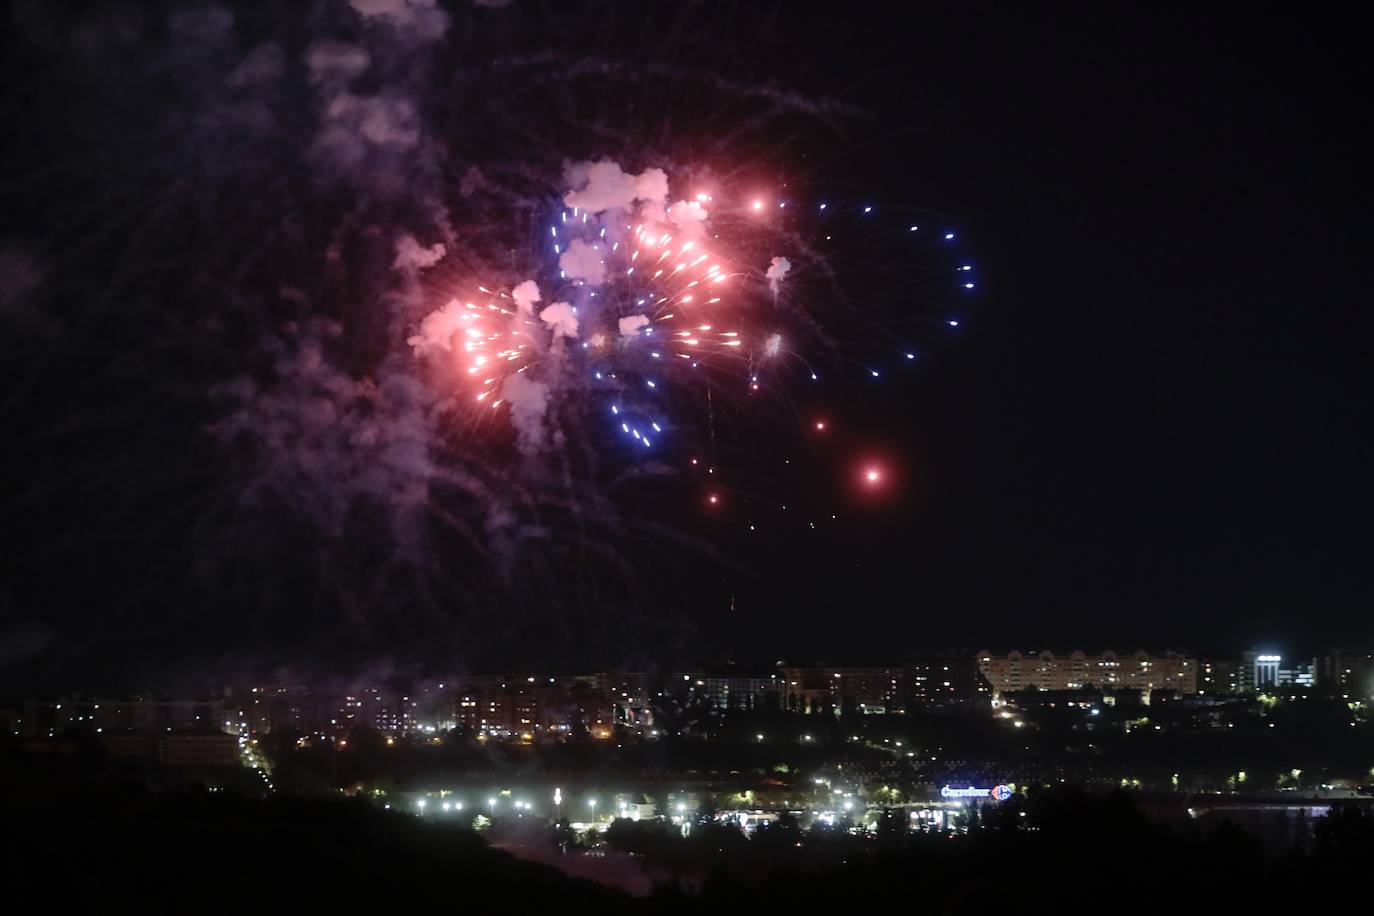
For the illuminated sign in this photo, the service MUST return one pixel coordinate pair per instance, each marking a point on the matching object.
(996, 793)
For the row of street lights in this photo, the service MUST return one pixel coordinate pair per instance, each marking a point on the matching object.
(493, 801)
(520, 805)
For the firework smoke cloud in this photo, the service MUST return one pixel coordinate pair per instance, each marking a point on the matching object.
(777, 270)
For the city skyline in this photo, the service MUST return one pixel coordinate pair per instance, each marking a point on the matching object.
(372, 673)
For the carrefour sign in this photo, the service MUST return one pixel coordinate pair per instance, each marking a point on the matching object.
(996, 793)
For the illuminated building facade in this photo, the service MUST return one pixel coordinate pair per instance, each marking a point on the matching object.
(1015, 671)
(1262, 670)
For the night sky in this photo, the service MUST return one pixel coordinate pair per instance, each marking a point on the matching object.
(1150, 427)
(1155, 432)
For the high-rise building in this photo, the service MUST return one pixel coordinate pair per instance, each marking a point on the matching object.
(825, 688)
(138, 714)
(1258, 670)
(946, 680)
(1262, 670)
(1046, 670)
(632, 694)
(1218, 677)
(1347, 673)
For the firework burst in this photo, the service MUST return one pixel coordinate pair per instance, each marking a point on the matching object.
(638, 316)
